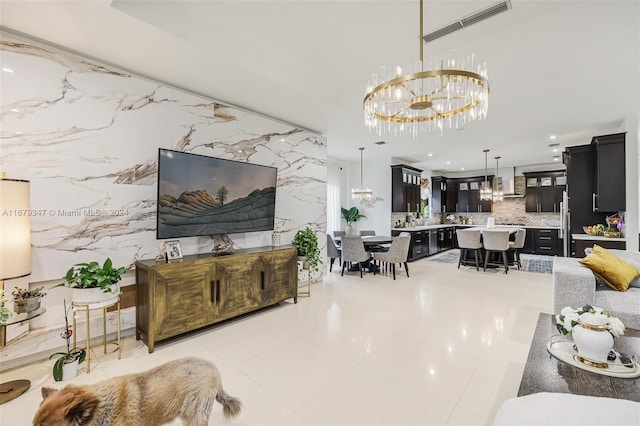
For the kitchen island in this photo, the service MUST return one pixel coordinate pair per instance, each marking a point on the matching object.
(428, 240)
(579, 242)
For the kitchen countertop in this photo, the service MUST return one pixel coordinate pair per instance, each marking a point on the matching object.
(448, 225)
(595, 237)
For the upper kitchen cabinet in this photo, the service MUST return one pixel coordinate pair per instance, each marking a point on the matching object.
(610, 187)
(469, 196)
(544, 191)
(405, 188)
(438, 194)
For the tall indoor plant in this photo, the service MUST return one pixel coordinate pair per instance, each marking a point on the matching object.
(306, 242)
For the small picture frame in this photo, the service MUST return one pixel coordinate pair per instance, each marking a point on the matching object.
(173, 250)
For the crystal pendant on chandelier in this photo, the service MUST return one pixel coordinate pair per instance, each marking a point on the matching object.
(486, 193)
(497, 185)
(449, 94)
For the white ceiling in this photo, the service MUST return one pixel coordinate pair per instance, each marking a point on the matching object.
(567, 68)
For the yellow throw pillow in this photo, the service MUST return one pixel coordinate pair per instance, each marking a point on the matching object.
(615, 272)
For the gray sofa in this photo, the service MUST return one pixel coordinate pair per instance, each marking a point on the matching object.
(575, 285)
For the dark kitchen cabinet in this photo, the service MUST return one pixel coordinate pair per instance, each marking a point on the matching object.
(438, 194)
(405, 188)
(545, 241)
(610, 185)
(419, 246)
(544, 191)
(445, 238)
(452, 195)
(469, 196)
(595, 180)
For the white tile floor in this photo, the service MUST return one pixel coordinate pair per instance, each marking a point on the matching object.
(445, 346)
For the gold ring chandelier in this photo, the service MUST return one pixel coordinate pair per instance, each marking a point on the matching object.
(448, 95)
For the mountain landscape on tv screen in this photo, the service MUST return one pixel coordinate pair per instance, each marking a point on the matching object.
(198, 213)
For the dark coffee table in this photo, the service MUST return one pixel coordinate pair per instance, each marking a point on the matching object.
(544, 373)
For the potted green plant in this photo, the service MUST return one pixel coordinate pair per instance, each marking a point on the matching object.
(351, 215)
(25, 300)
(66, 366)
(92, 282)
(306, 242)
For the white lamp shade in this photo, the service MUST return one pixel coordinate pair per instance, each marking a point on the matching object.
(15, 229)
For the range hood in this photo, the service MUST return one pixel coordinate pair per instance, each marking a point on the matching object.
(507, 175)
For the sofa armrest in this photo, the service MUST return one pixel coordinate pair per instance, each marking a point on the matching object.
(573, 284)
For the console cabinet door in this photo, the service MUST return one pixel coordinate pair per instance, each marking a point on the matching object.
(239, 284)
(277, 281)
(178, 293)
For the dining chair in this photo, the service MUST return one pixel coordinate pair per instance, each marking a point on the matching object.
(353, 251)
(517, 245)
(496, 241)
(367, 232)
(332, 252)
(398, 253)
(469, 239)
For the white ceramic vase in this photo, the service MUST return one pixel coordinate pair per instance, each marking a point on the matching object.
(592, 338)
(70, 370)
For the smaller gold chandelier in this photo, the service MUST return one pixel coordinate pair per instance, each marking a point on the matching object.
(450, 94)
(485, 188)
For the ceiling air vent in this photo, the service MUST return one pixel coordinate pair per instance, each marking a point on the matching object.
(478, 16)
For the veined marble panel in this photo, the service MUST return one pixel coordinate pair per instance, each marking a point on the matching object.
(87, 138)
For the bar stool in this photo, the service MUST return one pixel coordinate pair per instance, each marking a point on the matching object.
(79, 307)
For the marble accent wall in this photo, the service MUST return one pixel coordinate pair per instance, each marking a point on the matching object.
(87, 137)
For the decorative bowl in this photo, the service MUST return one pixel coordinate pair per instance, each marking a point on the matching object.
(592, 230)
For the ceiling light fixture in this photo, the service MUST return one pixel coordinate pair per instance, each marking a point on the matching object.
(552, 137)
(362, 194)
(497, 185)
(449, 93)
(485, 188)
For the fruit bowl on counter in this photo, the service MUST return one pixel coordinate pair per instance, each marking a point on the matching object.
(594, 230)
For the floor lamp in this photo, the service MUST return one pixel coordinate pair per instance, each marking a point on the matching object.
(15, 254)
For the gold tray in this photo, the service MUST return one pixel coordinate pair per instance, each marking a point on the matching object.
(563, 349)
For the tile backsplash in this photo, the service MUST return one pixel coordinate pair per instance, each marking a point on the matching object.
(510, 210)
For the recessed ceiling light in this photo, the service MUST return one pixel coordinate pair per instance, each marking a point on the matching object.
(555, 150)
(552, 137)
(7, 69)
(281, 139)
(448, 162)
(556, 158)
(431, 154)
(461, 168)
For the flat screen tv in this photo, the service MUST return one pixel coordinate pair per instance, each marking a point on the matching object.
(201, 195)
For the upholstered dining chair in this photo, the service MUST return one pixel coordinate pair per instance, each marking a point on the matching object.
(353, 251)
(332, 252)
(517, 245)
(469, 239)
(496, 241)
(367, 232)
(398, 253)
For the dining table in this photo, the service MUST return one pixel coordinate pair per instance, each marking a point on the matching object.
(371, 243)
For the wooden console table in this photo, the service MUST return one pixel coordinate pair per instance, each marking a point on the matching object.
(176, 297)
(544, 373)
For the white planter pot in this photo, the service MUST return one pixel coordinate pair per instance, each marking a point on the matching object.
(93, 295)
(70, 370)
(592, 339)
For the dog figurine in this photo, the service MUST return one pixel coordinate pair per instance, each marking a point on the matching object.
(185, 388)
